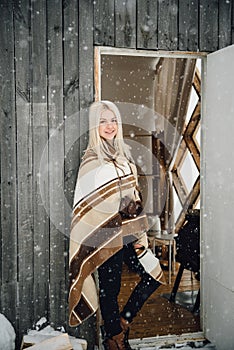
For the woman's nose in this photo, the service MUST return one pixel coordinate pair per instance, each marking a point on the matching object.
(110, 123)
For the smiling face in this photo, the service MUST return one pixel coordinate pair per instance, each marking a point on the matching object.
(108, 126)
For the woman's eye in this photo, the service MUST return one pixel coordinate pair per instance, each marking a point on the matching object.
(112, 121)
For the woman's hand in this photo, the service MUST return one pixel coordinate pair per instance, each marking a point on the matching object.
(130, 208)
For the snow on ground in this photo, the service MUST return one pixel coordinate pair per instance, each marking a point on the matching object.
(7, 334)
(43, 333)
(182, 342)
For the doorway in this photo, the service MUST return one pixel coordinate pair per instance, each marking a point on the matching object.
(159, 99)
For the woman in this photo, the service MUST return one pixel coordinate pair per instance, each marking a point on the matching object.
(108, 228)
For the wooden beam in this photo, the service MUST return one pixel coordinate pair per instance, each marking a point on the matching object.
(193, 122)
(180, 155)
(197, 82)
(97, 74)
(180, 187)
(191, 199)
(194, 151)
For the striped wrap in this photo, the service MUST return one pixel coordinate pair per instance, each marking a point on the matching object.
(97, 230)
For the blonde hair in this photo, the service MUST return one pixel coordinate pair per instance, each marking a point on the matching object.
(95, 141)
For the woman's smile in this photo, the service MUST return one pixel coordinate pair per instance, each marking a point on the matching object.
(108, 126)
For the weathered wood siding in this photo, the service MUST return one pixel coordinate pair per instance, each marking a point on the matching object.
(199, 25)
(46, 72)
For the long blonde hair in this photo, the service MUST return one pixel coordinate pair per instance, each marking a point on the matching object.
(95, 141)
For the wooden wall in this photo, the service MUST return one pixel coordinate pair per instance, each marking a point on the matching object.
(46, 74)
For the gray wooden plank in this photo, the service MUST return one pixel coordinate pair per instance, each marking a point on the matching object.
(40, 176)
(8, 291)
(71, 111)
(56, 159)
(147, 24)
(104, 17)
(225, 23)
(168, 24)
(208, 25)
(71, 98)
(85, 67)
(24, 163)
(87, 329)
(125, 23)
(188, 25)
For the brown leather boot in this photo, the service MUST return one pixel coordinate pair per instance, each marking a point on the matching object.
(110, 344)
(125, 326)
(117, 342)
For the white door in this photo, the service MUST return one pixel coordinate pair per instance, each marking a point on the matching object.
(217, 242)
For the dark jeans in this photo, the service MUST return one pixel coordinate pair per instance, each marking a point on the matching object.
(110, 282)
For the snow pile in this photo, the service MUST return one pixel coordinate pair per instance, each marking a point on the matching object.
(7, 334)
(60, 342)
(48, 336)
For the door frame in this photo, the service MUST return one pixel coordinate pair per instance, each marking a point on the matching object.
(105, 50)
